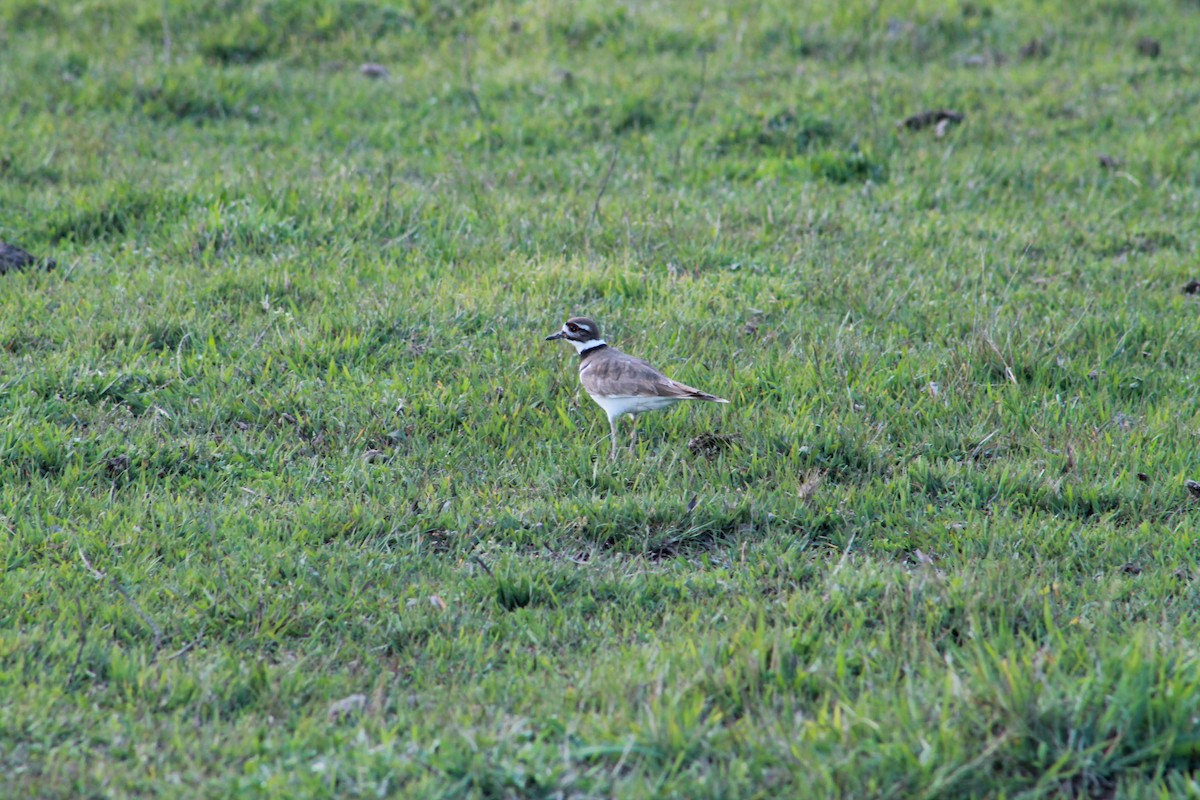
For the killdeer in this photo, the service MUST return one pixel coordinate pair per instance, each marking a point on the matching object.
(620, 383)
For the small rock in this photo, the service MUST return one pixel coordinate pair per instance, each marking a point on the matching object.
(372, 455)
(1193, 488)
(13, 258)
(1108, 162)
(1192, 287)
(1143, 477)
(374, 71)
(1149, 47)
(346, 707)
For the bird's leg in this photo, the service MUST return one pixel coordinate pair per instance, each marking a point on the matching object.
(633, 433)
(612, 426)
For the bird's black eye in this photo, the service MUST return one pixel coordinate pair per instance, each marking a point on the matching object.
(572, 327)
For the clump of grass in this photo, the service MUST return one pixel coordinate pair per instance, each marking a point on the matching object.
(785, 133)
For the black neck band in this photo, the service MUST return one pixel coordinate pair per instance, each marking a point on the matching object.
(583, 354)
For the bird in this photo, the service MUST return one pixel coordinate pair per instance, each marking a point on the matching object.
(620, 383)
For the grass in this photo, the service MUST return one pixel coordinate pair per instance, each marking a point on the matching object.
(296, 502)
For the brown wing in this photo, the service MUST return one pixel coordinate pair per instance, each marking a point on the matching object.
(622, 375)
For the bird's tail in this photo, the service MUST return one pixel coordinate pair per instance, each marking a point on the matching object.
(696, 394)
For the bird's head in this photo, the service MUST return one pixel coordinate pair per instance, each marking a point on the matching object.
(582, 332)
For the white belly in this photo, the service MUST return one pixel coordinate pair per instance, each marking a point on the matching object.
(617, 406)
